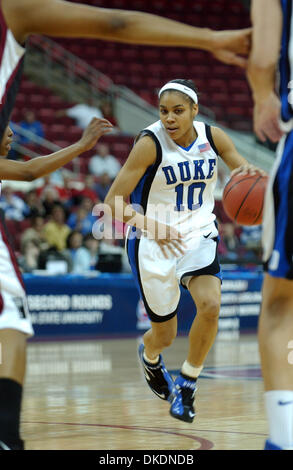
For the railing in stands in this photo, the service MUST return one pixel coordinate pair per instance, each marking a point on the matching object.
(77, 81)
(45, 144)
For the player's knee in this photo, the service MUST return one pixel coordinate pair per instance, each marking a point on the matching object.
(166, 337)
(209, 307)
(276, 308)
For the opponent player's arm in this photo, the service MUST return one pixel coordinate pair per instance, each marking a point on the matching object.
(266, 17)
(65, 19)
(229, 154)
(267, 30)
(41, 166)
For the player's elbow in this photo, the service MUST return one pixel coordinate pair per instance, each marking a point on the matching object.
(29, 175)
(121, 24)
(116, 23)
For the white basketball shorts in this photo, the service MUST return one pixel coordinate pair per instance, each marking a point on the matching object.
(158, 279)
(14, 312)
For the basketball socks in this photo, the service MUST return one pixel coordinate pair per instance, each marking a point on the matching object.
(10, 408)
(279, 408)
(191, 371)
(151, 361)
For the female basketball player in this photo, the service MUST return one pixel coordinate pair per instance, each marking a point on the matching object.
(19, 19)
(15, 324)
(171, 172)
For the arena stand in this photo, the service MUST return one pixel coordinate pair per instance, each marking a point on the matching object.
(144, 69)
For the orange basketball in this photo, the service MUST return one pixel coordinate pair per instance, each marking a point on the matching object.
(243, 198)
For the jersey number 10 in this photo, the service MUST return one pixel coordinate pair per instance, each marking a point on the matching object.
(192, 206)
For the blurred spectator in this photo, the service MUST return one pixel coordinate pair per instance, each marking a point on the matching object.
(92, 246)
(81, 113)
(108, 113)
(49, 197)
(13, 152)
(62, 190)
(230, 238)
(87, 204)
(66, 192)
(229, 243)
(35, 232)
(250, 240)
(82, 220)
(13, 206)
(89, 190)
(103, 186)
(84, 257)
(34, 204)
(104, 162)
(30, 251)
(73, 244)
(251, 236)
(56, 230)
(30, 123)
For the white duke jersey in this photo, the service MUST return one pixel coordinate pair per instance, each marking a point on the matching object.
(178, 189)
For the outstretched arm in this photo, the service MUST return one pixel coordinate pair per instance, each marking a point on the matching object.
(41, 166)
(66, 19)
(262, 65)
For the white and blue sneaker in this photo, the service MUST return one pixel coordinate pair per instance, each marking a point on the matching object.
(269, 445)
(158, 378)
(182, 404)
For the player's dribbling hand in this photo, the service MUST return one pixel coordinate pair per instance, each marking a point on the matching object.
(170, 241)
(96, 128)
(248, 169)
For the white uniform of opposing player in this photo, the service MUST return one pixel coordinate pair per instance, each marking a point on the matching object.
(178, 190)
(13, 304)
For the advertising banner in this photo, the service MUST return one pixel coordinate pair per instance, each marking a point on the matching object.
(108, 305)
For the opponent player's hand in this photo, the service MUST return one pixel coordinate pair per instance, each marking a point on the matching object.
(232, 47)
(266, 119)
(248, 169)
(170, 241)
(94, 131)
